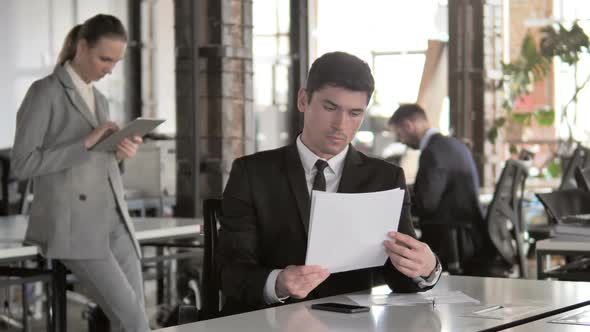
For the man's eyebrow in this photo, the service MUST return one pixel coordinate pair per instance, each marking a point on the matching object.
(333, 104)
(108, 58)
(328, 101)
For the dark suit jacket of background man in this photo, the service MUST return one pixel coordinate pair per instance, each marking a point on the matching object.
(446, 193)
(266, 209)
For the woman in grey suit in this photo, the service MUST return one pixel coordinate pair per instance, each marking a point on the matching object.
(79, 214)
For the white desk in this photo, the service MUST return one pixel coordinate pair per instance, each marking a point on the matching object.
(560, 246)
(12, 233)
(543, 325)
(13, 228)
(559, 296)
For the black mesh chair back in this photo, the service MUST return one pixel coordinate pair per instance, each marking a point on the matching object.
(580, 158)
(210, 282)
(582, 176)
(504, 215)
(4, 179)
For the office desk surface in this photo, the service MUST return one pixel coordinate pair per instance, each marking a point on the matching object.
(543, 325)
(556, 296)
(13, 228)
(564, 244)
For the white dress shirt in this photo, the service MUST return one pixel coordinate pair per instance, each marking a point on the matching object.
(332, 173)
(85, 90)
(426, 138)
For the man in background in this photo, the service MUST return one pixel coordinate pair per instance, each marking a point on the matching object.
(446, 189)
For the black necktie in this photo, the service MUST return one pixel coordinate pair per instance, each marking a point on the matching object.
(319, 182)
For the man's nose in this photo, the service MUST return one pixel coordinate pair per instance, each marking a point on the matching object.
(338, 120)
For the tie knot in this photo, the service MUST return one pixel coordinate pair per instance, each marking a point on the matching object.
(321, 165)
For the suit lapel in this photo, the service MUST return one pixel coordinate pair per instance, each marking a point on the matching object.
(351, 181)
(296, 176)
(73, 95)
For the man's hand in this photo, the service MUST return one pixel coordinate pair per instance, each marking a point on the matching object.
(101, 131)
(127, 148)
(410, 256)
(298, 281)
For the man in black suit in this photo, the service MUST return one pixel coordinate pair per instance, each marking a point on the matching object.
(266, 202)
(446, 189)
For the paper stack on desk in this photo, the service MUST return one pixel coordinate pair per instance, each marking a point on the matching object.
(346, 231)
(431, 296)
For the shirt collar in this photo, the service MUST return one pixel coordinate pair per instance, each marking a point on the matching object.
(427, 136)
(308, 158)
(76, 79)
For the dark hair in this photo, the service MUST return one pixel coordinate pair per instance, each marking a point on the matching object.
(91, 30)
(339, 69)
(407, 112)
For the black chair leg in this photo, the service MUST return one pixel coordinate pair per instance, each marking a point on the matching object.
(454, 262)
(47, 306)
(25, 307)
(59, 297)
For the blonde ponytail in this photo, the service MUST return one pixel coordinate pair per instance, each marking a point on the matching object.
(68, 50)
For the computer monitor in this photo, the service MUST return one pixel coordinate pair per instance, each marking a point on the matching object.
(580, 158)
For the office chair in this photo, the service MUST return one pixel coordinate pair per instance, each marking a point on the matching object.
(210, 285)
(20, 275)
(580, 158)
(210, 288)
(9, 204)
(504, 216)
(4, 180)
(572, 178)
(454, 243)
(582, 176)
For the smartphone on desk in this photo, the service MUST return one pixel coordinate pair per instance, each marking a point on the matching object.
(340, 307)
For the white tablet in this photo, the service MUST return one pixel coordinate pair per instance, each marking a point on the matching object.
(137, 127)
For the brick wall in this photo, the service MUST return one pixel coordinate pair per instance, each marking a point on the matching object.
(521, 13)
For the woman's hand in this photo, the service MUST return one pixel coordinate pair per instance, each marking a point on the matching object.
(127, 148)
(99, 133)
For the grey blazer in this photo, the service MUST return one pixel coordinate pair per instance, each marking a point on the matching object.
(73, 187)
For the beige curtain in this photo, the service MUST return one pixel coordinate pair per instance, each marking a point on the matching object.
(434, 84)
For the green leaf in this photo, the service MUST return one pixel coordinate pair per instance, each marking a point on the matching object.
(554, 168)
(545, 118)
(499, 122)
(529, 48)
(513, 149)
(565, 44)
(492, 134)
(524, 119)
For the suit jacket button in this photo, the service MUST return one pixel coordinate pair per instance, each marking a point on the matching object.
(82, 197)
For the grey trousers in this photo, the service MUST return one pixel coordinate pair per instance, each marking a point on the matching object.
(116, 282)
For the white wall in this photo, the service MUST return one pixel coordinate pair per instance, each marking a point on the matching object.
(32, 35)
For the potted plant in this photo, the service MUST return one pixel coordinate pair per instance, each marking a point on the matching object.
(531, 66)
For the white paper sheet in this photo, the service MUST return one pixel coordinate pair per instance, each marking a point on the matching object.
(505, 311)
(346, 231)
(578, 317)
(431, 296)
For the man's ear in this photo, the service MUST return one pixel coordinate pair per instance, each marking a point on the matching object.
(302, 100)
